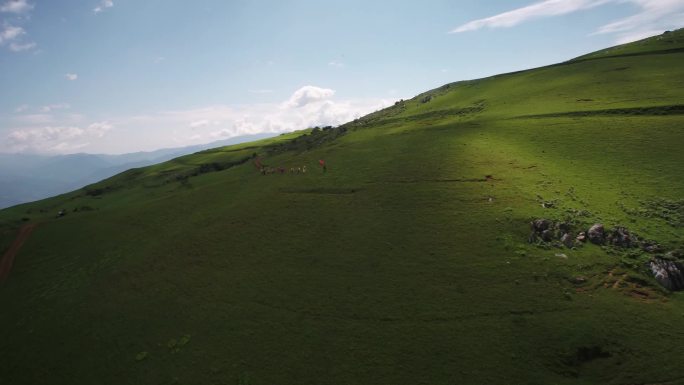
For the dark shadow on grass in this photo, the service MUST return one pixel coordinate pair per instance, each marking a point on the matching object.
(677, 109)
(321, 190)
(486, 178)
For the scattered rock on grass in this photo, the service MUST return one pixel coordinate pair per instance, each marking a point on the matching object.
(651, 247)
(548, 231)
(580, 279)
(581, 237)
(667, 270)
(621, 237)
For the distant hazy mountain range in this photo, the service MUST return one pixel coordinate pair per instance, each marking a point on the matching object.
(26, 177)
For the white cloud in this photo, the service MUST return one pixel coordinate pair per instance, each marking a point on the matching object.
(57, 106)
(55, 139)
(199, 123)
(71, 76)
(21, 108)
(308, 106)
(99, 129)
(12, 35)
(46, 139)
(308, 94)
(336, 64)
(57, 131)
(104, 4)
(625, 38)
(46, 133)
(35, 119)
(18, 47)
(9, 33)
(45, 116)
(653, 17)
(542, 9)
(16, 6)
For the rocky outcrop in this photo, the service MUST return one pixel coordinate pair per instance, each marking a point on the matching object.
(668, 273)
(565, 234)
(548, 231)
(541, 229)
(666, 268)
(651, 246)
(539, 225)
(621, 237)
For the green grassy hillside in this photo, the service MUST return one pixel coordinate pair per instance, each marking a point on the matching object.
(407, 262)
(669, 42)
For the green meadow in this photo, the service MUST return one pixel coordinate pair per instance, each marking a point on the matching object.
(406, 262)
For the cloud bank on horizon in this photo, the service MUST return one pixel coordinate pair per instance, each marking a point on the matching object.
(653, 17)
(54, 129)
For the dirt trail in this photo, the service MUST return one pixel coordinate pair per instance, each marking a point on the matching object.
(8, 258)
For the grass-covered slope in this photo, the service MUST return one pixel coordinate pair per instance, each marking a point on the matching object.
(669, 42)
(407, 262)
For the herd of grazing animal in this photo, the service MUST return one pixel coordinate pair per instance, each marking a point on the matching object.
(266, 170)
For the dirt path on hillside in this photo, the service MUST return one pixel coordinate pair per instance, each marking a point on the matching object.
(8, 258)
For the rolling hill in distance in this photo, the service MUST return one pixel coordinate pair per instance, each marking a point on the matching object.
(26, 177)
(407, 260)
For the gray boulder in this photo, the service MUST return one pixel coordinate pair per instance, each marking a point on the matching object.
(568, 240)
(596, 234)
(541, 228)
(539, 225)
(581, 237)
(668, 273)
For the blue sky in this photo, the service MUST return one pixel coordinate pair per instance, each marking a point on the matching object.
(114, 76)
